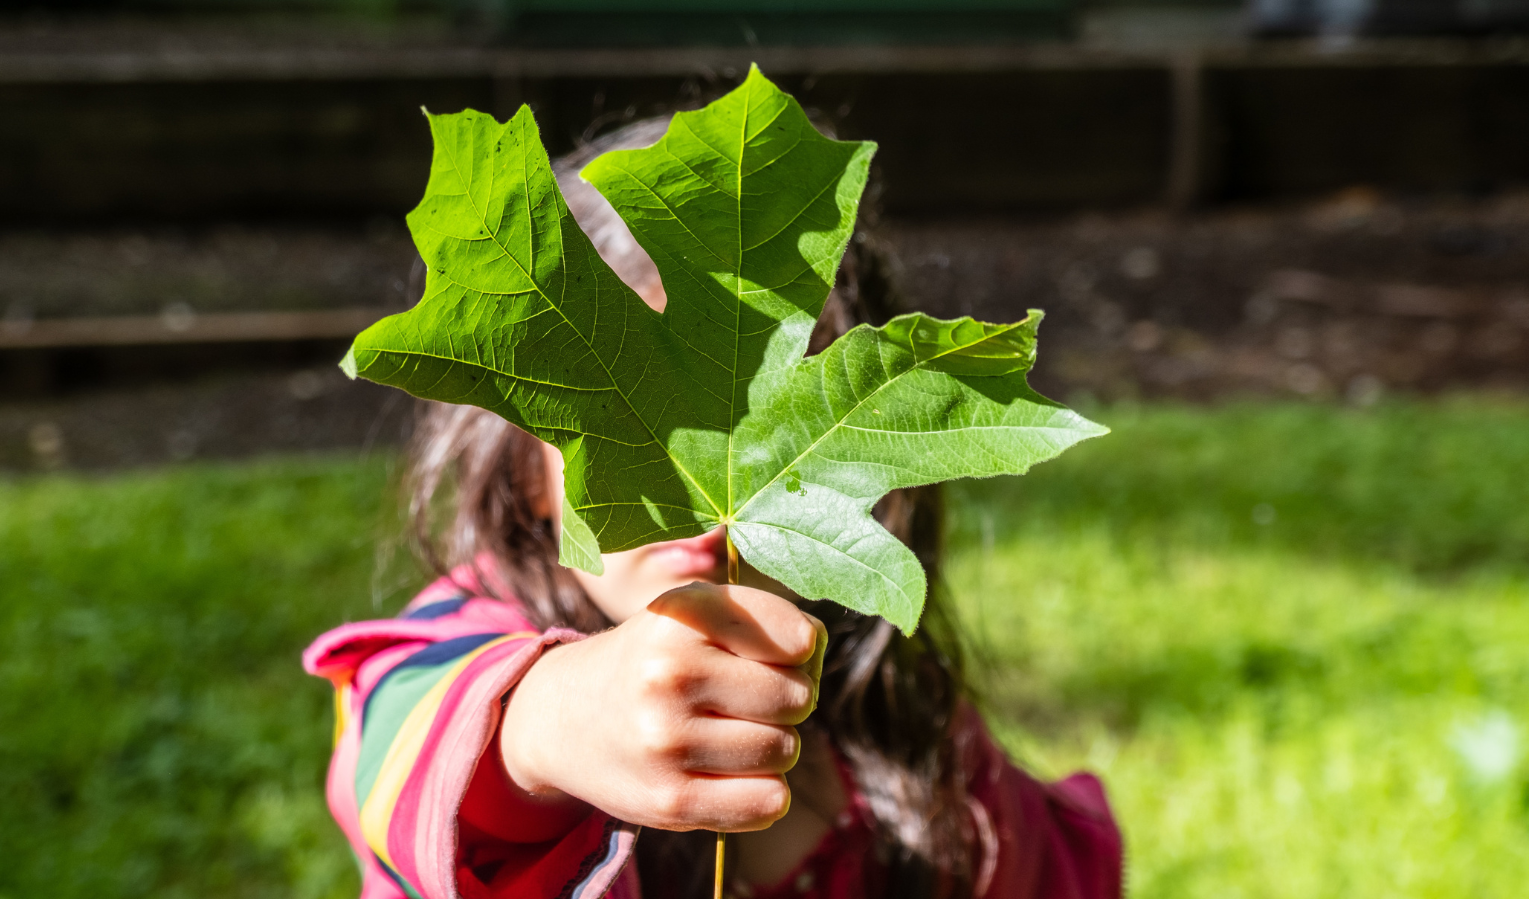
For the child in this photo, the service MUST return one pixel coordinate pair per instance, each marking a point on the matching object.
(488, 746)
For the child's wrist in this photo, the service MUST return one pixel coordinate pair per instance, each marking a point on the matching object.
(529, 725)
(498, 807)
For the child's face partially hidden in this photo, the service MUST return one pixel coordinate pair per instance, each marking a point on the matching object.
(634, 578)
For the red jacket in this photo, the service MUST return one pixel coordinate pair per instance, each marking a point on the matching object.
(418, 705)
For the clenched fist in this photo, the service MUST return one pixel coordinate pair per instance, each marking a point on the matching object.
(680, 718)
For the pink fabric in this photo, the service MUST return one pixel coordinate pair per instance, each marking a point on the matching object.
(1033, 840)
(420, 830)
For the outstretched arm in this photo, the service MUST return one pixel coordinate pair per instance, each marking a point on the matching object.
(682, 717)
(419, 701)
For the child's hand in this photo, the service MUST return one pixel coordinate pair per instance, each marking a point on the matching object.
(680, 718)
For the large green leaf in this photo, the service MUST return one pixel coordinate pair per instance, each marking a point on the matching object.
(671, 424)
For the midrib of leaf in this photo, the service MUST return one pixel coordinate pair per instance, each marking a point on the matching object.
(489, 229)
(839, 422)
(732, 405)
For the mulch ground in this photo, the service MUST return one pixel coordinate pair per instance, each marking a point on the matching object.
(1350, 298)
(1345, 300)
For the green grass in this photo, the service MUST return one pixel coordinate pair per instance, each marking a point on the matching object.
(157, 735)
(1328, 703)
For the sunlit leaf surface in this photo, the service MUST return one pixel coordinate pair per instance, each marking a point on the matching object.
(707, 414)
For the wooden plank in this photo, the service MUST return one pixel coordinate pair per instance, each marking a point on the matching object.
(318, 63)
(184, 326)
(197, 134)
(1186, 137)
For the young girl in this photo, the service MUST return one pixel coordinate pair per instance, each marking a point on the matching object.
(510, 733)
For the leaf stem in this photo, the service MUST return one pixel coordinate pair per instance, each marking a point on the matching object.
(732, 578)
(716, 892)
(732, 556)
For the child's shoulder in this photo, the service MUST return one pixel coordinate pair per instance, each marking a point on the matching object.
(453, 610)
(1039, 838)
(460, 599)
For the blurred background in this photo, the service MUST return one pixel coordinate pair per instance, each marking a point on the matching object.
(1283, 247)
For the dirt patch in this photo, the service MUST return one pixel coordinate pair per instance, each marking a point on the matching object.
(307, 410)
(218, 269)
(1346, 300)
(1352, 297)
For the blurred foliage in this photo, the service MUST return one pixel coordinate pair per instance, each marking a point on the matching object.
(1290, 638)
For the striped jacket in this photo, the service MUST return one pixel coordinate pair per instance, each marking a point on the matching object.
(418, 701)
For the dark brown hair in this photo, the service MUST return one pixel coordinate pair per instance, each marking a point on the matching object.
(888, 701)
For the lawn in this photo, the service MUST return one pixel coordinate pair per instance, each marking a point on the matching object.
(157, 735)
(1292, 638)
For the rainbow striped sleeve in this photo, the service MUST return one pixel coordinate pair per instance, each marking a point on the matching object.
(418, 700)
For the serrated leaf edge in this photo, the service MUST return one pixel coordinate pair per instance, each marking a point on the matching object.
(1032, 318)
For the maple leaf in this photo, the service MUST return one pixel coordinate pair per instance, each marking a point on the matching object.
(709, 413)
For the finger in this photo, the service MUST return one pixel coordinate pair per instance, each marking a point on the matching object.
(734, 748)
(753, 624)
(728, 804)
(734, 687)
(813, 667)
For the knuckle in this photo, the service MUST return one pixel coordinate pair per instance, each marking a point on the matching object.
(673, 803)
(657, 739)
(668, 602)
(790, 741)
(782, 750)
(802, 638)
(796, 697)
(772, 800)
(665, 676)
(678, 599)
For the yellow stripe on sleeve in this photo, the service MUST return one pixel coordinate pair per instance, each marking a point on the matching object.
(377, 812)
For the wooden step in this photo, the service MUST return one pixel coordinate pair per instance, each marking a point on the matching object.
(180, 325)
